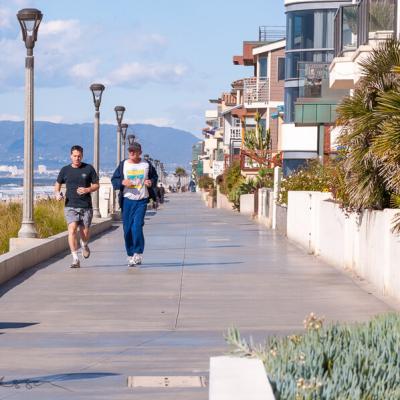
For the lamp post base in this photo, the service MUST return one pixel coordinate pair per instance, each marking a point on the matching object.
(96, 213)
(27, 230)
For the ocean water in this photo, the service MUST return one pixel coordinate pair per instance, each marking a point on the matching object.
(11, 187)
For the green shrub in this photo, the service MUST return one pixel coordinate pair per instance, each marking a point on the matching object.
(205, 182)
(49, 220)
(312, 177)
(349, 362)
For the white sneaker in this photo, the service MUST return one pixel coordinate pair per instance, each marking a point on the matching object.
(137, 258)
(131, 262)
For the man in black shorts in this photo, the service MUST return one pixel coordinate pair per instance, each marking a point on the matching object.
(80, 180)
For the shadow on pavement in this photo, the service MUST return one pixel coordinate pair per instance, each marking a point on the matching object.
(30, 383)
(24, 275)
(16, 325)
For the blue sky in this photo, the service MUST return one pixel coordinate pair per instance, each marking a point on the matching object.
(161, 59)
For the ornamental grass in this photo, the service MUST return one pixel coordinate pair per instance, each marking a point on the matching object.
(49, 220)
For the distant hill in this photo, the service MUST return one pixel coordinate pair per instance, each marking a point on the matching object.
(53, 143)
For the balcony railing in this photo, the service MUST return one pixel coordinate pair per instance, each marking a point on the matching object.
(229, 99)
(376, 20)
(255, 90)
(271, 33)
(315, 76)
(236, 133)
(345, 29)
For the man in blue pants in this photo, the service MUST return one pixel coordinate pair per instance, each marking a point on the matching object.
(135, 179)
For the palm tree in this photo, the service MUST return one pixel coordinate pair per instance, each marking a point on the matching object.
(369, 162)
(257, 142)
(180, 171)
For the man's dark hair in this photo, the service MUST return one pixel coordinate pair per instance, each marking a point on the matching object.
(135, 147)
(77, 147)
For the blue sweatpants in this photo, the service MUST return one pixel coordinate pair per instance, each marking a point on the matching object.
(133, 212)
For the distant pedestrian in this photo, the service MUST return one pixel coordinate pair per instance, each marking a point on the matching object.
(160, 193)
(80, 180)
(136, 180)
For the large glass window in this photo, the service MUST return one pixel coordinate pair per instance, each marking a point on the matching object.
(311, 29)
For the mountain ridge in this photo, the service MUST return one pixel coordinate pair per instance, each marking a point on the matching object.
(53, 141)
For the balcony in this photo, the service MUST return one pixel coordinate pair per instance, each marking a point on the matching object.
(255, 92)
(236, 133)
(377, 20)
(315, 77)
(345, 37)
(358, 29)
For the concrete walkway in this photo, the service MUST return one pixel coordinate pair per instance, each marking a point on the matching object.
(79, 334)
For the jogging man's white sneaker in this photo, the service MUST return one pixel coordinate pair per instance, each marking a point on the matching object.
(131, 262)
(138, 258)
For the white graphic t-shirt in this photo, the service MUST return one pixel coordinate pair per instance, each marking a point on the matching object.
(137, 174)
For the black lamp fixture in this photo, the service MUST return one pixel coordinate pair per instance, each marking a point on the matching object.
(131, 139)
(119, 112)
(29, 19)
(124, 128)
(97, 91)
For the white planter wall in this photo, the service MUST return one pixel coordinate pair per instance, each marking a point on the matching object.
(247, 204)
(303, 217)
(361, 243)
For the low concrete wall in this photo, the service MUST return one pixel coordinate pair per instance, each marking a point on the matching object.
(281, 220)
(16, 261)
(247, 204)
(303, 217)
(233, 378)
(223, 202)
(362, 243)
(265, 202)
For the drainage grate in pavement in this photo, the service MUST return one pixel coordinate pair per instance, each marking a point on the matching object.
(167, 381)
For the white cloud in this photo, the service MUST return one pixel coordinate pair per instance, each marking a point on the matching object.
(10, 117)
(85, 70)
(5, 16)
(136, 73)
(70, 27)
(156, 121)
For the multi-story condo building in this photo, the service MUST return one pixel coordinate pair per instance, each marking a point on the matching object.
(309, 101)
(261, 93)
(213, 155)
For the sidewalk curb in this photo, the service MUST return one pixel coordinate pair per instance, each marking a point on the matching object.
(16, 261)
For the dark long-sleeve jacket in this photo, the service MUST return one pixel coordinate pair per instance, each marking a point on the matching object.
(118, 177)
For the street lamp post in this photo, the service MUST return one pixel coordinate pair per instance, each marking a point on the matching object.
(119, 113)
(97, 91)
(124, 128)
(29, 19)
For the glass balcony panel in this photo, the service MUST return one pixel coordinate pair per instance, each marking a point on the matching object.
(349, 28)
(382, 15)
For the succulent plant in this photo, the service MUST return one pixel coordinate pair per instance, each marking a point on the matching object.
(339, 361)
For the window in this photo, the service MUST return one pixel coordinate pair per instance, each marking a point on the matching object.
(281, 68)
(310, 29)
(236, 122)
(263, 67)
